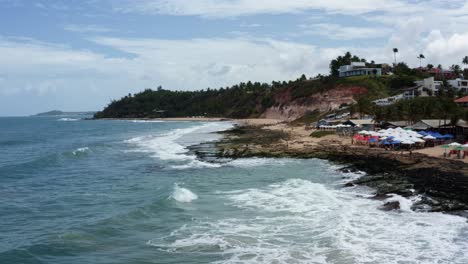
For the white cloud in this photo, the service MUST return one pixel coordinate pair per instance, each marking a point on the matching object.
(87, 28)
(79, 79)
(341, 32)
(200, 63)
(223, 8)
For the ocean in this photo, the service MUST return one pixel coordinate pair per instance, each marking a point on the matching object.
(123, 191)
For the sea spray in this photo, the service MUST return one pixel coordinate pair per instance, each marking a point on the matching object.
(183, 195)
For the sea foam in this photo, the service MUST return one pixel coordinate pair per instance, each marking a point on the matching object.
(299, 221)
(168, 146)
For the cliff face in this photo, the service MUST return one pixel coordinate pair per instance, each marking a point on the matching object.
(289, 109)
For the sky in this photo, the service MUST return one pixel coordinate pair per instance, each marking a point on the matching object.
(78, 55)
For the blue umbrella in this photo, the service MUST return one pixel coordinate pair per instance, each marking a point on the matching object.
(422, 133)
(437, 135)
(373, 140)
(395, 142)
(448, 136)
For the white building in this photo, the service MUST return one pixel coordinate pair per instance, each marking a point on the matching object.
(358, 69)
(430, 84)
(426, 87)
(459, 84)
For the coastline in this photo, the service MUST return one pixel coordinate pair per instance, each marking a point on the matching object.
(441, 183)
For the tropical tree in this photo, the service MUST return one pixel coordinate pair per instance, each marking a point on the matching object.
(421, 57)
(465, 60)
(430, 66)
(364, 106)
(401, 68)
(439, 66)
(343, 60)
(456, 68)
(395, 51)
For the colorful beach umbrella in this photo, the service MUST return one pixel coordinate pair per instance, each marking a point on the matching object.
(445, 147)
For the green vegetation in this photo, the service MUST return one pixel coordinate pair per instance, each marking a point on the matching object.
(419, 108)
(252, 99)
(342, 61)
(319, 134)
(239, 101)
(309, 118)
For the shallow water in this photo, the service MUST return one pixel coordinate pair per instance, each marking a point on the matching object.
(76, 191)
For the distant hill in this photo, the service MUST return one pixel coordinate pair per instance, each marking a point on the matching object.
(61, 113)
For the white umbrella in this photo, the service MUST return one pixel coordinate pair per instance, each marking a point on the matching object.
(429, 137)
(455, 144)
(418, 140)
(465, 146)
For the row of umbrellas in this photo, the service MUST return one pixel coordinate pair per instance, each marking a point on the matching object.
(394, 136)
(456, 145)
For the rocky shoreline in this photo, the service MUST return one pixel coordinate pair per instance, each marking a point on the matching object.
(440, 184)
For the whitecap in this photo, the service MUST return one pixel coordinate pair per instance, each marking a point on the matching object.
(183, 195)
(79, 151)
(66, 119)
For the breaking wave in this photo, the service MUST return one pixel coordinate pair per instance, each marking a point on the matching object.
(66, 119)
(80, 151)
(183, 195)
(170, 146)
(298, 221)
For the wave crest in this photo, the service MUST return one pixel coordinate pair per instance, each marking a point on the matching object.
(183, 195)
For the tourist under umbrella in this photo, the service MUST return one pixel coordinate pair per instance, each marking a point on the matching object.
(445, 147)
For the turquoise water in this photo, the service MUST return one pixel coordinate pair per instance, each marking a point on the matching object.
(76, 191)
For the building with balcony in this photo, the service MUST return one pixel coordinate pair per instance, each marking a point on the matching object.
(358, 69)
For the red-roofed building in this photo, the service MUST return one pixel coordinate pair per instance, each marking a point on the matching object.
(462, 101)
(439, 74)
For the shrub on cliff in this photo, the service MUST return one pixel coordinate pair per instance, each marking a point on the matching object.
(320, 134)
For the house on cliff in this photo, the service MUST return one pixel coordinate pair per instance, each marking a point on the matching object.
(358, 69)
(459, 84)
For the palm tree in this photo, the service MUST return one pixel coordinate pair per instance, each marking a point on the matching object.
(395, 51)
(420, 57)
(456, 68)
(465, 60)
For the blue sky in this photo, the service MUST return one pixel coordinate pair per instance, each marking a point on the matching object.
(78, 55)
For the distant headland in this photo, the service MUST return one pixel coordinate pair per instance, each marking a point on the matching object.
(62, 113)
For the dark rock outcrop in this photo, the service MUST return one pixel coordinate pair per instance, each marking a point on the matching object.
(443, 182)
